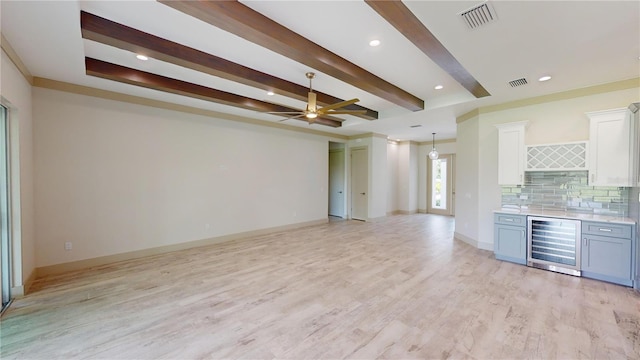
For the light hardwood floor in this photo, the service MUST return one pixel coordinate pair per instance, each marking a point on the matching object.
(398, 288)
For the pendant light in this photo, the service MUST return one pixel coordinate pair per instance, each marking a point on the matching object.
(433, 154)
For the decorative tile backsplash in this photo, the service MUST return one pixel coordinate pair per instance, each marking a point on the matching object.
(566, 191)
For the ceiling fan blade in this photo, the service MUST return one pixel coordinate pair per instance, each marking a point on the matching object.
(292, 117)
(338, 105)
(346, 112)
(284, 112)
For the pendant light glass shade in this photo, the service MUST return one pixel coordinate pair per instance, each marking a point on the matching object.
(433, 154)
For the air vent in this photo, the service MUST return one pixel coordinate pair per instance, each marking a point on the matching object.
(479, 15)
(518, 82)
(415, 126)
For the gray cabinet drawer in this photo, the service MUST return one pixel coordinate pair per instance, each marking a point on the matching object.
(510, 219)
(607, 229)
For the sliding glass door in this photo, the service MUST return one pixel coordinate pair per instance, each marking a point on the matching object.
(5, 234)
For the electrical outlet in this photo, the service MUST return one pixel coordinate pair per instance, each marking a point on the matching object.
(68, 245)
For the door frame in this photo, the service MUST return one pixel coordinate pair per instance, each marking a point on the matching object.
(451, 172)
(6, 226)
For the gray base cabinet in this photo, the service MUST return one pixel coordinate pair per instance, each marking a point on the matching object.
(607, 252)
(510, 238)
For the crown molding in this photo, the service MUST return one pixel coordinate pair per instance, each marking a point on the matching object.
(564, 95)
(111, 95)
(15, 59)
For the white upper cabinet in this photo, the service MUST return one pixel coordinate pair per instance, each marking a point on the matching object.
(612, 148)
(511, 153)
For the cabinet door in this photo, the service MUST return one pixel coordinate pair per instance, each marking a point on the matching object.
(611, 148)
(511, 153)
(510, 243)
(607, 258)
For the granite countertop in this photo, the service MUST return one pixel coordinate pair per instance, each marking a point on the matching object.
(568, 215)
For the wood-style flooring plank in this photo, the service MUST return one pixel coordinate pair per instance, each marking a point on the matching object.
(398, 288)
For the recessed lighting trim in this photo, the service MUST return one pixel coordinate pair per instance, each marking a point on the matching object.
(142, 57)
(438, 87)
(544, 78)
(374, 42)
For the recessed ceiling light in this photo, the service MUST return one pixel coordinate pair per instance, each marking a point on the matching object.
(270, 93)
(142, 57)
(439, 87)
(374, 42)
(545, 78)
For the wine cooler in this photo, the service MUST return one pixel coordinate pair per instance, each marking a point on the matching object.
(554, 244)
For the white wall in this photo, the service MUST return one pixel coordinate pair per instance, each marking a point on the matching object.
(17, 92)
(115, 177)
(551, 122)
(467, 186)
(378, 177)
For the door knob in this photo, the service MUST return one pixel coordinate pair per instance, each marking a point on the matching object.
(361, 193)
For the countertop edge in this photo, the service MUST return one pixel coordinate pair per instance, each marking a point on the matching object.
(568, 215)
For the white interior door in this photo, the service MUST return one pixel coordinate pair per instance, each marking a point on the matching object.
(336, 183)
(440, 184)
(359, 184)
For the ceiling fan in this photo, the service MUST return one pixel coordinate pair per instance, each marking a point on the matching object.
(311, 112)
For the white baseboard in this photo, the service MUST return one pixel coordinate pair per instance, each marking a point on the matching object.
(22, 290)
(407, 212)
(473, 242)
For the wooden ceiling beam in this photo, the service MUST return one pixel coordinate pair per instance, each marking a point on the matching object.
(398, 15)
(121, 36)
(148, 80)
(241, 20)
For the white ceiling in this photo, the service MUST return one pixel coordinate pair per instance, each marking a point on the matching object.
(579, 43)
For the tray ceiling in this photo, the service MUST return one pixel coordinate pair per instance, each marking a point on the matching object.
(225, 56)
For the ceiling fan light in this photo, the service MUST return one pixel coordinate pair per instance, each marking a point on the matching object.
(311, 115)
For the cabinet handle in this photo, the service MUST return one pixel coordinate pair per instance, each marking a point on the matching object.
(507, 219)
(523, 234)
(605, 229)
(585, 242)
